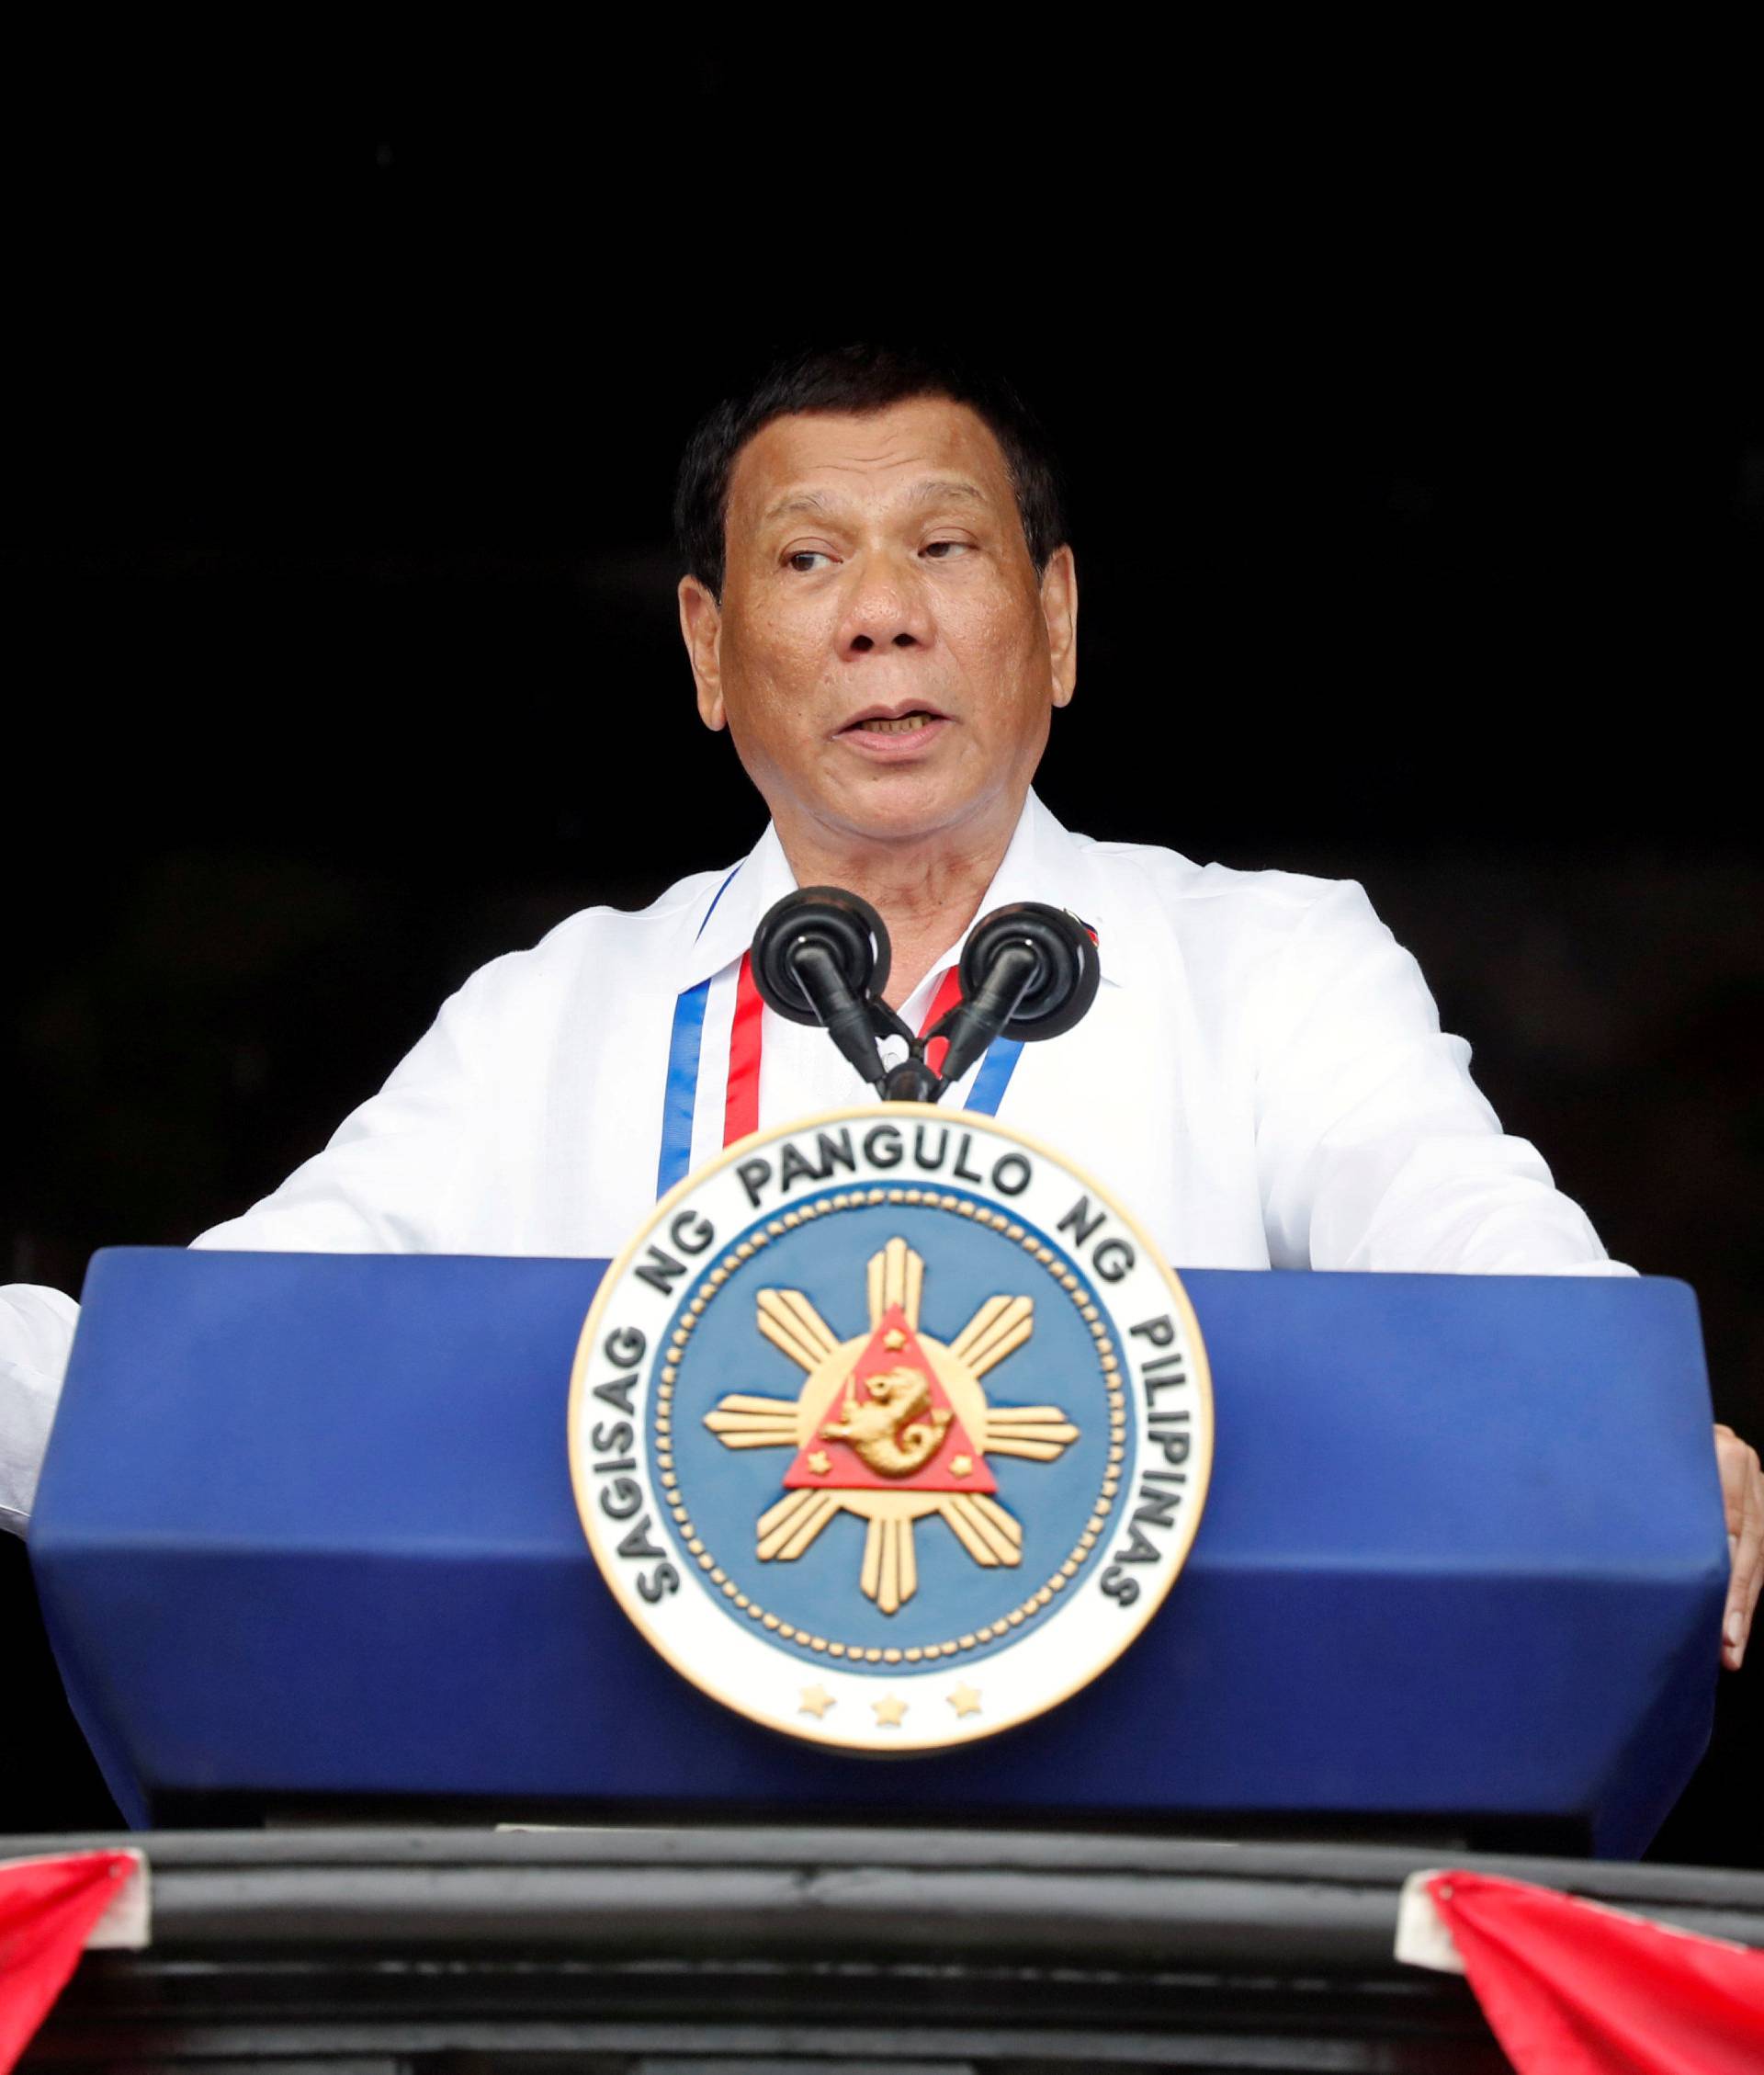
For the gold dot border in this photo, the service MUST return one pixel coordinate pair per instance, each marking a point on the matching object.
(864, 1199)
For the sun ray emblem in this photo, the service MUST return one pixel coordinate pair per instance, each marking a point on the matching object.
(892, 1426)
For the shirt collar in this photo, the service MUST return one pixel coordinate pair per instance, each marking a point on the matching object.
(1043, 862)
(731, 913)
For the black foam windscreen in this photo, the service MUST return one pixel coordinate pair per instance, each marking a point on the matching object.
(1066, 984)
(844, 925)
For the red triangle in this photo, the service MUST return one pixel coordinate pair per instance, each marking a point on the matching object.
(844, 1455)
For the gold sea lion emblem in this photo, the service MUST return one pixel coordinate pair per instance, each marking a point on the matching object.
(892, 1426)
(886, 1431)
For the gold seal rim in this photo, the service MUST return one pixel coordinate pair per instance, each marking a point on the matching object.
(848, 1657)
(960, 1736)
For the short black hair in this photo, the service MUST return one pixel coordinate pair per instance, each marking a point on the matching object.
(859, 378)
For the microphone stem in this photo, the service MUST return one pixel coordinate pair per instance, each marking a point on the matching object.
(912, 1082)
(975, 1023)
(845, 1016)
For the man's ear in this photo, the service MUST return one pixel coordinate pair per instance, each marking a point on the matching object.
(1059, 609)
(701, 627)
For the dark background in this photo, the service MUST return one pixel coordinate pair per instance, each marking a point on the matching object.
(1417, 468)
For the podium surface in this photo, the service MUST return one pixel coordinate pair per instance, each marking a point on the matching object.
(306, 1537)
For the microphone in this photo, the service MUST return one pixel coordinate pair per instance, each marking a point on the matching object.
(1028, 972)
(821, 954)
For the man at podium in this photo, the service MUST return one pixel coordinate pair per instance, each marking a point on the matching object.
(881, 607)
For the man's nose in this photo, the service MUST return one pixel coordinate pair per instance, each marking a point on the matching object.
(886, 610)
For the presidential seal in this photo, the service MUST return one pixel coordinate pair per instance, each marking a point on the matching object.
(891, 1429)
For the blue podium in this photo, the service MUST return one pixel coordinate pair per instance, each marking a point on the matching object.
(306, 1540)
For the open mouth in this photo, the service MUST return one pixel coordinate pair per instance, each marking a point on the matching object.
(908, 723)
(897, 720)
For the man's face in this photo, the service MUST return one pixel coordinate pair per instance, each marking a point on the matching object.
(883, 654)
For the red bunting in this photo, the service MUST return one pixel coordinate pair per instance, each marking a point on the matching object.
(49, 1909)
(1573, 1988)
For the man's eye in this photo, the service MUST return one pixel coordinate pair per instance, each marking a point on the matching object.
(943, 550)
(804, 560)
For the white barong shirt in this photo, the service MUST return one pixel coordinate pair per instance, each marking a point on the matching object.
(1262, 1081)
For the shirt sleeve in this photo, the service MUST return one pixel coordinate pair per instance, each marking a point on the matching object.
(1376, 1149)
(36, 1331)
(396, 1178)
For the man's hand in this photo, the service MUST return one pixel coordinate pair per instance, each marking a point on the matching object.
(1742, 1491)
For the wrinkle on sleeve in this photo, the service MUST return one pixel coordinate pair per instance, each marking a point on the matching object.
(36, 1332)
(1376, 1149)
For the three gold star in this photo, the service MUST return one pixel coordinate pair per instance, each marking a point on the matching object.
(891, 1710)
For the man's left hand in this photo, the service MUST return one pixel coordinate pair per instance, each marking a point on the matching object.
(1742, 1491)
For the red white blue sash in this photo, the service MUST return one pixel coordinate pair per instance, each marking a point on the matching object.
(742, 1098)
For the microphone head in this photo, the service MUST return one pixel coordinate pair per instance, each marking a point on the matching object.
(1062, 993)
(844, 924)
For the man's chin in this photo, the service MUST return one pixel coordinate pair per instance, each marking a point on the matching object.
(909, 806)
